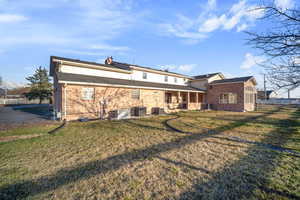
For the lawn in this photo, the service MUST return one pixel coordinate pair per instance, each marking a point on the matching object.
(212, 155)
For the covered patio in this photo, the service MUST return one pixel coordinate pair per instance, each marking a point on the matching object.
(182, 100)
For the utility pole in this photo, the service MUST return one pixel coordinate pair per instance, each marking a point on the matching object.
(265, 88)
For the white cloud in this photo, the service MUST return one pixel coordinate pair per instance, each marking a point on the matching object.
(168, 67)
(183, 68)
(240, 16)
(242, 27)
(250, 61)
(187, 67)
(212, 24)
(11, 18)
(88, 23)
(284, 4)
(212, 4)
(181, 30)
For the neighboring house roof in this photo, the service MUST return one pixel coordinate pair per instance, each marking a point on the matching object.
(18, 91)
(2, 92)
(207, 75)
(114, 65)
(85, 79)
(234, 80)
(261, 93)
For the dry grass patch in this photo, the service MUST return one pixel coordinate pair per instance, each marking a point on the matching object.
(143, 159)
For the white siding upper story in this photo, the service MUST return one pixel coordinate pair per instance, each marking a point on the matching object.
(158, 78)
(93, 72)
(214, 78)
(135, 75)
(203, 83)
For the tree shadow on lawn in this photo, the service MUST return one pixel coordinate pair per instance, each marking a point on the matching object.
(65, 176)
(241, 179)
(136, 124)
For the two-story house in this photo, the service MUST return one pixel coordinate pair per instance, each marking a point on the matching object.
(91, 90)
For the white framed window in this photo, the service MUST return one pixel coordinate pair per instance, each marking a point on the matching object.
(228, 98)
(175, 79)
(249, 98)
(250, 94)
(87, 93)
(166, 78)
(135, 94)
(144, 75)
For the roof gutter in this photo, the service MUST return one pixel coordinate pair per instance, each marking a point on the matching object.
(91, 66)
(159, 72)
(236, 82)
(128, 86)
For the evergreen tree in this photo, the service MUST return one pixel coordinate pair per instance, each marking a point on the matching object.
(40, 86)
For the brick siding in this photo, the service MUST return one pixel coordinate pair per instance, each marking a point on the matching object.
(214, 92)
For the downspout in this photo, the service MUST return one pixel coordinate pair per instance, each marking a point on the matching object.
(65, 102)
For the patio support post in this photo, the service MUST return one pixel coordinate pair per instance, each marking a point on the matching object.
(164, 99)
(188, 100)
(65, 101)
(197, 97)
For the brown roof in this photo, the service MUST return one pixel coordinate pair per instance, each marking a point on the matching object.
(261, 94)
(115, 65)
(123, 82)
(233, 80)
(78, 61)
(206, 75)
(18, 91)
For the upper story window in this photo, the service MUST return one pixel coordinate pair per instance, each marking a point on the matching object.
(175, 79)
(144, 75)
(166, 78)
(87, 93)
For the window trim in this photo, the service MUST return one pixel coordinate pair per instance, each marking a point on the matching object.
(168, 98)
(87, 93)
(166, 78)
(145, 75)
(228, 98)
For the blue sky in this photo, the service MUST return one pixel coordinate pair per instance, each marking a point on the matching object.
(190, 37)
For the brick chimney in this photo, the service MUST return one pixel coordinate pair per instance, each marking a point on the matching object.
(109, 60)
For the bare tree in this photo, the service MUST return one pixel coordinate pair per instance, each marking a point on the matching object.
(280, 44)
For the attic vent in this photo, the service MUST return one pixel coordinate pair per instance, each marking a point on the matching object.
(109, 60)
